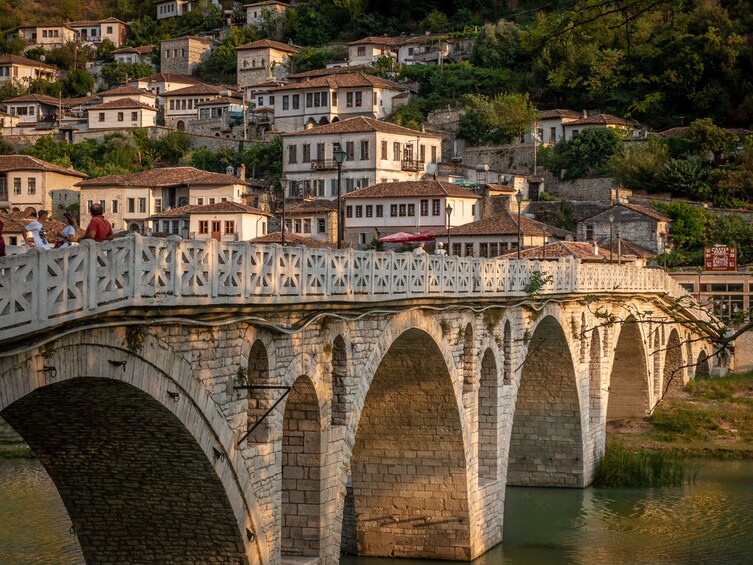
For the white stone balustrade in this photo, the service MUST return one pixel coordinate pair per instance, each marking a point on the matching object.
(44, 288)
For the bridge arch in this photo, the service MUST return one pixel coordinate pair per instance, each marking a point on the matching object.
(339, 381)
(674, 372)
(488, 418)
(628, 386)
(546, 439)
(135, 445)
(702, 366)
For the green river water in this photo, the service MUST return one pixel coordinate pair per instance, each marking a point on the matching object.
(708, 521)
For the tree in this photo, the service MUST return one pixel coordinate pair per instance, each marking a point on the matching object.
(312, 58)
(709, 139)
(499, 120)
(435, 22)
(353, 7)
(639, 166)
(586, 153)
(117, 72)
(686, 178)
(78, 83)
(5, 147)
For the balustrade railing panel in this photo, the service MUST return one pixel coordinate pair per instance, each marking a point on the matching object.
(44, 287)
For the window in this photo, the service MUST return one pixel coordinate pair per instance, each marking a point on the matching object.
(349, 99)
(396, 151)
(307, 225)
(32, 186)
(589, 231)
(89, 204)
(361, 50)
(456, 249)
(292, 154)
(172, 104)
(350, 150)
(349, 211)
(120, 116)
(271, 100)
(553, 135)
(260, 101)
(379, 210)
(359, 211)
(109, 31)
(157, 205)
(364, 150)
(296, 101)
(359, 99)
(16, 186)
(212, 201)
(393, 210)
(131, 205)
(575, 132)
(134, 116)
(433, 153)
(402, 210)
(320, 151)
(424, 207)
(200, 201)
(309, 99)
(142, 205)
(230, 227)
(369, 210)
(473, 210)
(101, 116)
(469, 250)
(411, 210)
(435, 207)
(483, 249)
(334, 99)
(114, 206)
(286, 102)
(493, 250)
(384, 150)
(321, 226)
(216, 226)
(306, 153)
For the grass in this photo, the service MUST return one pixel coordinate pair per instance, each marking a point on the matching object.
(13, 451)
(621, 467)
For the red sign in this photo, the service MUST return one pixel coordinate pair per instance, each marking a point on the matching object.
(720, 258)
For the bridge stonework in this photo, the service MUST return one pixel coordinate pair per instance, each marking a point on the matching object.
(405, 414)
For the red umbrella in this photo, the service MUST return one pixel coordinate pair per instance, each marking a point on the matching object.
(405, 237)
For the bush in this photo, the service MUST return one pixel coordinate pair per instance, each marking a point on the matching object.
(587, 153)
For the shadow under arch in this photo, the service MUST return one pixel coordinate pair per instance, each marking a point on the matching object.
(133, 478)
(546, 443)
(408, 465)
(629, 395)
(674, 372)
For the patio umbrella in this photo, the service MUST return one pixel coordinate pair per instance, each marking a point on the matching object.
(405, 237)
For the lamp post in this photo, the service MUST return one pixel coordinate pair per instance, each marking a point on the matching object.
(448, 212)
(611, 227)
(284, 186)
(519, 198)
(339, 154)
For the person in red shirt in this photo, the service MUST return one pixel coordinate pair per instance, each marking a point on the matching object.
(2, 241)
(99, 229)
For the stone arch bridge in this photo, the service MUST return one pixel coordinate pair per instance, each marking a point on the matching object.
(201, 402)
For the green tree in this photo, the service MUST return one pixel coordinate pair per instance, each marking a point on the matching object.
(353, 7)
(639, 166)
(312, 58)
(686, 178)
(77, 83)
(585, 154)
(498, 46)
(117, 72)
(435, 22)
(6, 148)
(173, 146)
(708, 139)
(499, 120)
(691, 225)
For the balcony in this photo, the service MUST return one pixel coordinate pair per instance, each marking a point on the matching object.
(323, 165)
(413, 165)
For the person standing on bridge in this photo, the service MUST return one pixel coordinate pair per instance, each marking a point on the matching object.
(99, 229)
(420, 249)
(36, 228)
(440, 250)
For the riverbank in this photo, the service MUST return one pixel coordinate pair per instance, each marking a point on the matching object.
(712, 418)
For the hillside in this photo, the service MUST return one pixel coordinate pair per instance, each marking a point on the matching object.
(26, 12)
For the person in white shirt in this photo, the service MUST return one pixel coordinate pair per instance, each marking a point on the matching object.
(36, 229)
(420, 249)
(440, 250)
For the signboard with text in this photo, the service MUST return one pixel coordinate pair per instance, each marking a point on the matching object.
(720, 258)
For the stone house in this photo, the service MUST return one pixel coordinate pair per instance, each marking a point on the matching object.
(182, 106)
(409, 206)
(260, 61)
(326, 99)
(121, 113)
(183, 54)
(129, 200)
(640, 225)
(315, 219)
(28, 182)
(223, 221)
(21, 70)
(256, 12)
(376, 152)
(142, 54)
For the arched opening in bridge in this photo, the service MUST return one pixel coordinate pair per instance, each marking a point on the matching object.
(488, 408)
(339, 375)
(408, 465)
(259, 400)
(301, 469)
(507, 351)
(469, 365)
(628, 382)
(674, 372)
(133, 478)
(702, 368)
(594, 377)
(546, 445)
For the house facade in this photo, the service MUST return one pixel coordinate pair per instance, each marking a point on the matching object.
(314, 219)
(130, 55)
(643, 226)
(183, 54)
(256, 12)
(160, 83)
(376, 152)
(172, 8)
(223, 221)
(33, 108)
(260, 61)
(182, 105)
(47, 36)
(97, 31)
(21, 70)
(550, 126)
(620, 125)
(139, 95)
(326, 99)
(130, 200)
(412, 206)
(122, 113)
(367, 50)
(28, 182)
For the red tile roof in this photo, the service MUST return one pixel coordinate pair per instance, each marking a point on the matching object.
(552, 251)
(332, 71)
(28, 163)
(376, 40)
(41, 98)
(200, 88)
(16, 60)
(170, 77)
(558, 113)
(412, 189)
(269, 44)
(126, 91)
(141, 50)
(345, 80)
(191, 37)
(506, 223)
(124, 103)
(168, 176)
(312, 207)
(291, 240)
(600, 120)
(361, 124)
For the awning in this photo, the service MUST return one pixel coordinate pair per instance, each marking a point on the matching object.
(405, 237)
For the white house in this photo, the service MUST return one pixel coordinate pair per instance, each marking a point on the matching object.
(47, 36)
(129, 200)
(172, 8)
(33, 108)
(21, 70)
(413, 206)
(260, 61)
(182, 105)
(121, 114)
(223, 221)
(375, 151)
(334, 97)
(160, 83)
(142, 54)
(423, 49)
(97, 31)
(137, 94)
(367, 50)
(620, 125)
(256, 12)
(549, 128)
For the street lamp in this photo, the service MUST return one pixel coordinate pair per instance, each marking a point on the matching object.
(284, 186)
(611, 226)
(339, 154)
(519, 198)
(448, 212)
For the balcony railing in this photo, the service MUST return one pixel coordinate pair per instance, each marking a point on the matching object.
(323, 164)
(414, 165)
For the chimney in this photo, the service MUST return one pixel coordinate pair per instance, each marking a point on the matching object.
(242, 171)
(596, 249)
(585, 114)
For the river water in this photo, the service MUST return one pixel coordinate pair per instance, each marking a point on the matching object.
(707, 521)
